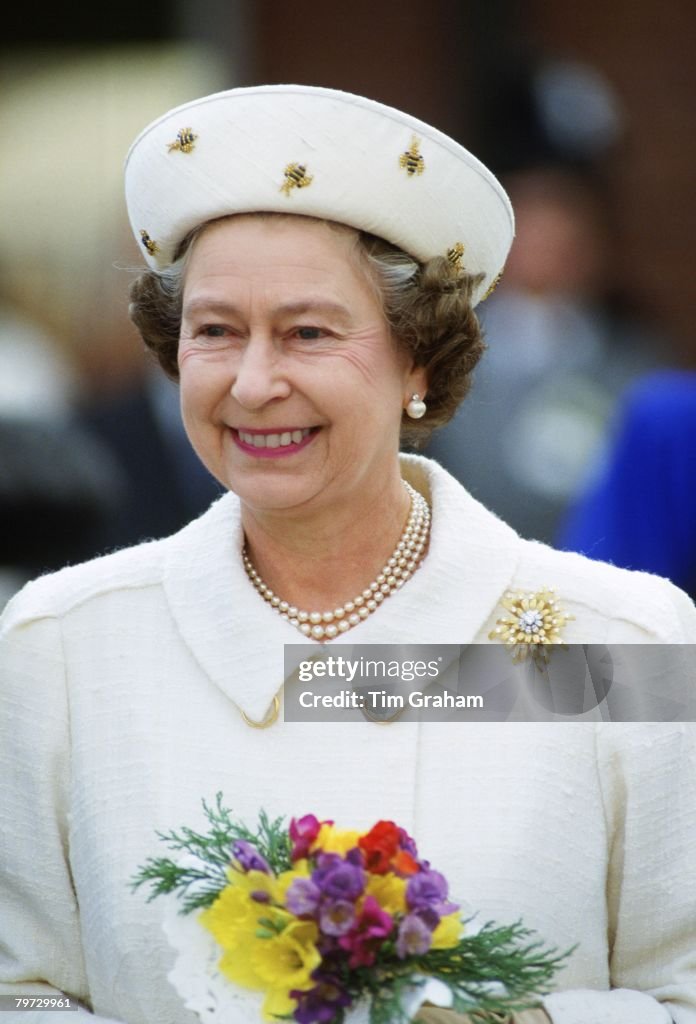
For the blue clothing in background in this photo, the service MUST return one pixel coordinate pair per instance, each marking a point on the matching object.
(640, 512)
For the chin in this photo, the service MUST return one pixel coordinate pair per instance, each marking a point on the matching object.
(271, 496)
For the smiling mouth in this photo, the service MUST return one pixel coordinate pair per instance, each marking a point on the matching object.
(267, 441)
(279, 440)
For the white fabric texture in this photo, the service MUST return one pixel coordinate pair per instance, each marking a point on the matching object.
(122, 682)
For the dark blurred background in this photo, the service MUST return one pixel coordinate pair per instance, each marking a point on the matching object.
(601, 94)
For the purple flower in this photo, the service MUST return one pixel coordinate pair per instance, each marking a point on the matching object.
(407, 844)
(355, 856)
(248, 857)
(426, 892)
(336, 917)
(414, 937)
(337, 878)
(429, 917)
(332, 956)
(302, 897)
(320, 1005)
(260, 896)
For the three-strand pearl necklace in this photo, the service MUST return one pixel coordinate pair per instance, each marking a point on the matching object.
(403, 562)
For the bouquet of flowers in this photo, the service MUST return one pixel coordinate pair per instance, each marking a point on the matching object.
(319, 920)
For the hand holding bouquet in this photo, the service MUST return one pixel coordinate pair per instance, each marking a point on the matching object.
(321, 919)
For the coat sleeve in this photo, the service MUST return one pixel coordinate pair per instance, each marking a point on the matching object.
(40, 947)
(648, 778)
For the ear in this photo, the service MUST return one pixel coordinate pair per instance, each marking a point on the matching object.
(417, 382)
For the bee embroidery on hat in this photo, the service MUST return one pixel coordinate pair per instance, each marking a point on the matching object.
(534, 622)
(411, 160)
(295, 177)
(185, 141)
(454, 255)
(149, 244)
(492, 287)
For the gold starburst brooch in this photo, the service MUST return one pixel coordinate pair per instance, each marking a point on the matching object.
(534, 623)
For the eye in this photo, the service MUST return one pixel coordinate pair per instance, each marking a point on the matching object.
(309, 333)
(213, 331)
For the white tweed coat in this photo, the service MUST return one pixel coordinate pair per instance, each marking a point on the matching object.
(122, 683)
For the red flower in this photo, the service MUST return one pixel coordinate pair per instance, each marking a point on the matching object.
(379, 846)
(405, 864)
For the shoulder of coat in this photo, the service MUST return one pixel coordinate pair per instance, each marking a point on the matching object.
(628, 606)
(56, 594)
(134, 568)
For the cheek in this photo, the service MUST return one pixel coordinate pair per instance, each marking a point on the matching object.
(377, 369)
(199, 396)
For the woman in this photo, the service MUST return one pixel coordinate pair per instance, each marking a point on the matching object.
(314, 260)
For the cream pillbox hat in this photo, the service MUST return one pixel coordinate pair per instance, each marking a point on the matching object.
(319, 153)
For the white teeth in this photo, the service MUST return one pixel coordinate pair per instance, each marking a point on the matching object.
(275, 440)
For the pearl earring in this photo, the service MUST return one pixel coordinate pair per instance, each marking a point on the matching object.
(416, 407)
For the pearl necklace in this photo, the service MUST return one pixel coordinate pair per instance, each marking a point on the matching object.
(405, 559)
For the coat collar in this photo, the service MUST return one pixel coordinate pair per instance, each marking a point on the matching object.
(238, 640)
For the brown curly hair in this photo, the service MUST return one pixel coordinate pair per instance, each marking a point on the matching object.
(427, 306)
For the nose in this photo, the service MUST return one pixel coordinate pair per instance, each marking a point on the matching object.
(259, 375)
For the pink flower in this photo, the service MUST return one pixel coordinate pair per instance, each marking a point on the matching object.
(303, 832)
(365, 938)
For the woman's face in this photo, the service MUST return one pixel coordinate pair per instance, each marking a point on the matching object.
(292, 387)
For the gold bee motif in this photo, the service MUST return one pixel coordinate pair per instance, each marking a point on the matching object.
(185, 141)
(295, 177)
(534, 623)
(149, 244)
(492, 287)
(455, 254)
(411, 160)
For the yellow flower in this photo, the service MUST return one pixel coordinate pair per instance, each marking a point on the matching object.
(233, 925)
(286, 962)
(277, 1004)
(448, 932)
(235, 921)
(231, 918)
(255, 881)
(335, 840)
(389, 891)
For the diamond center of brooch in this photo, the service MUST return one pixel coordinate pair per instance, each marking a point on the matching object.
(530, 621)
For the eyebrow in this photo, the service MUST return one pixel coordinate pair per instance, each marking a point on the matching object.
(298, 308)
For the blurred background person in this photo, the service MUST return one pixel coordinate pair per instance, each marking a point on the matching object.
(54, 487)
(92, 455)
(639, 509)
(560, 348)
(165, 485)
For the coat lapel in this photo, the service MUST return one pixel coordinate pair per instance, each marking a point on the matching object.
(470, 563)
(233, 635)
(238, 641)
